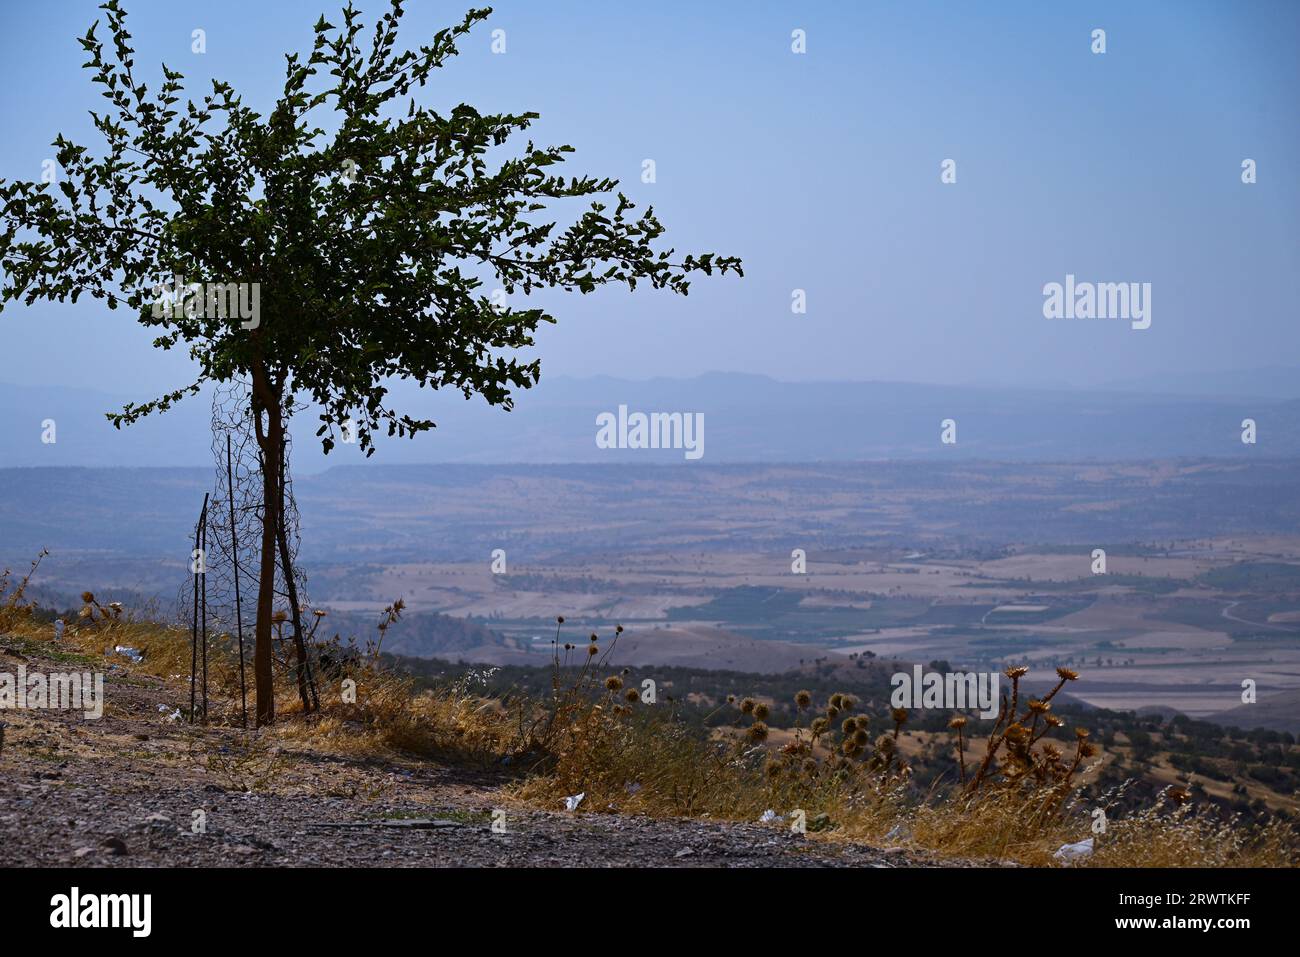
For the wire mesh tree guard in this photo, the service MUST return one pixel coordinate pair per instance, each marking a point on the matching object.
(224, 566)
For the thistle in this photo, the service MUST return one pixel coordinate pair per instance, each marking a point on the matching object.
(900, 718)
(957, 724)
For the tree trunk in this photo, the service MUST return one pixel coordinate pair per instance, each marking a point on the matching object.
(306, 685)
(270, 440)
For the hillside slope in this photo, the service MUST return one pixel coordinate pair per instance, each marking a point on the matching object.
(124, 790)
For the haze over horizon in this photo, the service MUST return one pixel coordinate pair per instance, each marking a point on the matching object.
(744, 418)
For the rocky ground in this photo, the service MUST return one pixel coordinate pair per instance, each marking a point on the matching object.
(140, 788)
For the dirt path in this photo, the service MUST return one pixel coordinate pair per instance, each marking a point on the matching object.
(134, 788)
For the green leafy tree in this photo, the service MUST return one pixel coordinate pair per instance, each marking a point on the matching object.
(366, 224)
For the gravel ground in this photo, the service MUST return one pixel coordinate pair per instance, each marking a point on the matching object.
(123, 791)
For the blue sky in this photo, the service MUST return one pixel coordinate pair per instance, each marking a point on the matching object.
(820, 170)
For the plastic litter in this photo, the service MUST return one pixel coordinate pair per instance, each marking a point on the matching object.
(1067, 853)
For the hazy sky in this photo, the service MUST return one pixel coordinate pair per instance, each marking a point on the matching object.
(821, 170)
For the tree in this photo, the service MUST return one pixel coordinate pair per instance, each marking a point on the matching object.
(322, 264)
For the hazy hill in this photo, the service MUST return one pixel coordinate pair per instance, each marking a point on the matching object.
(1279, 712)
(747, 419)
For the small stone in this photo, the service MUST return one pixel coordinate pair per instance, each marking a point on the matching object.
(83, 851)
(115, 846)
(685, 852)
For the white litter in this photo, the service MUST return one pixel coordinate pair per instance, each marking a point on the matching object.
(1067, 853)
(58, 629)
(571, 803)
(133, 653)
(768, 816)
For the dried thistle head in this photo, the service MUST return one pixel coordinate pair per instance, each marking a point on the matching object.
(835, 701)
(1081, 733)
(958, 722)
(1067, 674)
(747, 705)
(1016, 673)
(803, 700)
(1038, 706)
(849, 726)
(631, 694)
(613, 683)
(818, 727)
(618, 629)
(559, 619)
(593, 650)
(88, 597)
(756, 732)
(832, 713)
(847, 702)
(899, 715)
(760, 711)
(885, 744)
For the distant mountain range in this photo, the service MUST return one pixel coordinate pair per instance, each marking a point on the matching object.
(1274, 382)
(746, 418)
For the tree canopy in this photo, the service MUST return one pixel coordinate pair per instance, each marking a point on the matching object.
(371, 226)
